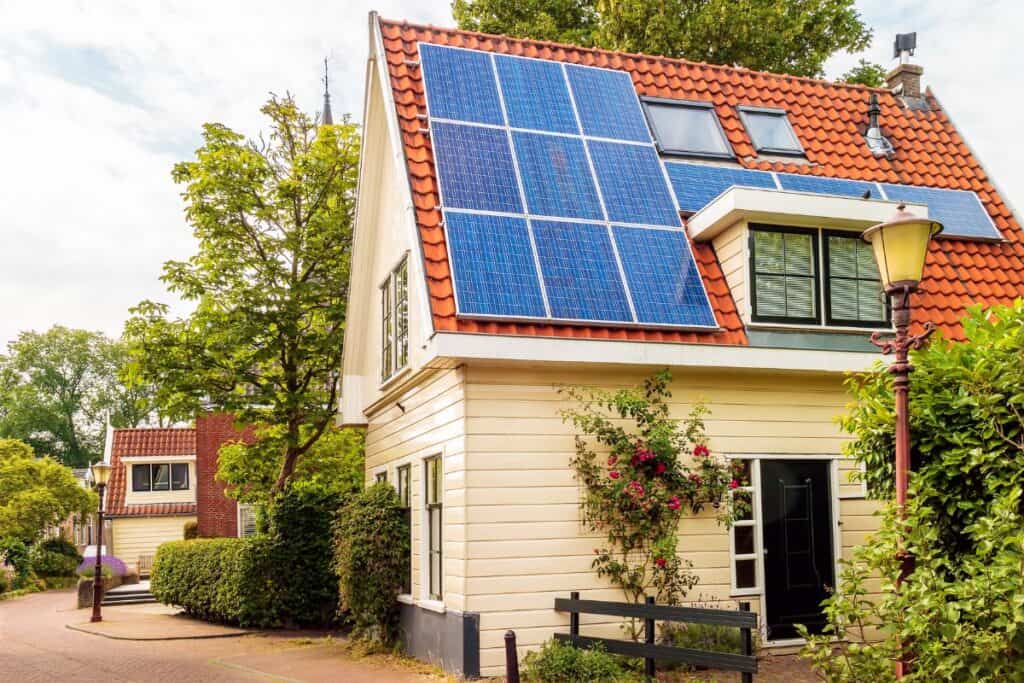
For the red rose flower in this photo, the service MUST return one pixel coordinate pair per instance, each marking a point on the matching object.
(660, 562)
(701, 451)
(660, 468)
(614, 474)
(612, 459)
(734, 484)
(673, 503)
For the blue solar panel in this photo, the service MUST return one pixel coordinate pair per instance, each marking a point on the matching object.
(663, 277)
(607, 104)
(460, 85)
(819, 185)
(556, 176)
(580, 273)
(633, 184)
(697, 184)
(536, 96)
(474, 167)
(495, 273)
(959, 211)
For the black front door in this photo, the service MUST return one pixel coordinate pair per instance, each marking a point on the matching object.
(798, 554)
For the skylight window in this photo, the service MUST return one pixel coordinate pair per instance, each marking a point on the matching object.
(770, 131)
(687, 128)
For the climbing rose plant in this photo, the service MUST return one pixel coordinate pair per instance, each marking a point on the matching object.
(649, 471)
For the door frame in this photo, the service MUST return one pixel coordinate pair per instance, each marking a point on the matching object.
(837, 543)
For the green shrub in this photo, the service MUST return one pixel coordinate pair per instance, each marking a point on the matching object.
(52, 563)
(371, 541)
(707, 637)
(556, 662)
(228, 580)
(300, 522)
(4, 585)
(191, 530)
(61, 545)
(15, 553)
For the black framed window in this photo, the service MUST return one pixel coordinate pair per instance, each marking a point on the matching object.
(770, 130)
(687, 128)
(395, 320)
(403, 479)
(160, 477)
(853, 288)
(784, 274)
(433, 497)
(381, 476)
(141, 478)
(179, 476)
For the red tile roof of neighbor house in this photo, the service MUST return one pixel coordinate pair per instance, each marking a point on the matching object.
(145, 443)
(827, 117)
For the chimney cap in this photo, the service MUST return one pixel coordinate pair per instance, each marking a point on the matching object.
(905, 42)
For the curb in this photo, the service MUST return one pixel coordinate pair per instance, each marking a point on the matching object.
(82, 628)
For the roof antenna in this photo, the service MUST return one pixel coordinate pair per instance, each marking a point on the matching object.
(325, 118)
(877, 142)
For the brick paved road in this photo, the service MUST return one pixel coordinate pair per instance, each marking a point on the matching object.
(36, 647)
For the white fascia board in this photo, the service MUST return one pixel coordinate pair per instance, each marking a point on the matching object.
(156, 459)
(759, 205)
(493, 348)
(351, 414)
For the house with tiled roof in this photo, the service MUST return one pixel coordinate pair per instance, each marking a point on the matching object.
(163, 478)
(533, 215)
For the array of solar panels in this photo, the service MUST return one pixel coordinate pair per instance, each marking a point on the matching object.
(556, 204)
(960, 211)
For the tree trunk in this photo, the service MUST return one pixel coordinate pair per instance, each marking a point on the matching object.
(291, 456)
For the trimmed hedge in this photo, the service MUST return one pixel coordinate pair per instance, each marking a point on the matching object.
(227, 580)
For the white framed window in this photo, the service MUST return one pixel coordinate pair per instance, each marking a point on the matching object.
(246, 520)
(394, 301)
(403, 486)
(160, 477)
(744, 535)
(433, 522)
(687, 128)
(770, 130)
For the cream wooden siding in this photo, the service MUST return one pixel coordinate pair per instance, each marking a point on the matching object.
(432, 423)
(135, 536)
(734, 258)
(524, 541)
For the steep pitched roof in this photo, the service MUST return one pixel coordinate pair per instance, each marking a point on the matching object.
(145, 443)
(827, 117)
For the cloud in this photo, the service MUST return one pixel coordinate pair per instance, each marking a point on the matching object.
(98, 100)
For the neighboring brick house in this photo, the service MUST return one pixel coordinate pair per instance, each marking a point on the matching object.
(163, 478)
(533, 215)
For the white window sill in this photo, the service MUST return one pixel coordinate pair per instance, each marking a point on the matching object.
(432, 605)
(395, 377)
(745, 593)
(406, 599)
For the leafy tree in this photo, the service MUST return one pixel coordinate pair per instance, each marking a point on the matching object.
(865, 73)
(273, 219)
(57, 388)
(334, 463)
(36, 493)
(770, 35)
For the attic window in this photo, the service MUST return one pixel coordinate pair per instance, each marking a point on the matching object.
(687, 128)
(770, 131)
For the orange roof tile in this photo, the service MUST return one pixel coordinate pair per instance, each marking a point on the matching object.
(145, 443)
(828, 118)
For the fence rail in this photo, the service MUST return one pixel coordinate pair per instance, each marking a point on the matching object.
(744, 619)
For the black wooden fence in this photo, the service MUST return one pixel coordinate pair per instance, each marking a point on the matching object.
(744, 619)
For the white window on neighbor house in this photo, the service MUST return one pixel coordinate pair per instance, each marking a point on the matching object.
(433, 523)
(403, 482)
(246, 520)
(743, 535)
(394, 298)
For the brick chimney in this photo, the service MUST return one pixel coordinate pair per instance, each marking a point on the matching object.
(905, 80)
(216, 514)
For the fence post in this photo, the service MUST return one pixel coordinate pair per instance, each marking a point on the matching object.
(574, 620)
(511, 658)
(649, 639)
(746, 643)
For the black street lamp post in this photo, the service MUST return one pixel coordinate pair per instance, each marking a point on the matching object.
(100, 476)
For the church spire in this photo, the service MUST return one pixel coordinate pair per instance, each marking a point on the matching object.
(325, 117)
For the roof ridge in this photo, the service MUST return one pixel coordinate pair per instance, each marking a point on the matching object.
(635, 55)
(154, 429)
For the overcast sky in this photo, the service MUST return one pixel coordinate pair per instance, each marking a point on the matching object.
(98, 100)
